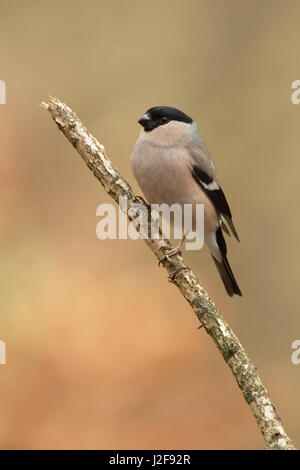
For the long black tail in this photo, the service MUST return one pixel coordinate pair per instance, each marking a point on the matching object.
(224, 268)
(227, 276)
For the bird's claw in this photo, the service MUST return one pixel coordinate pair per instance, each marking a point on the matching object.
(172, 252)
(166, 247)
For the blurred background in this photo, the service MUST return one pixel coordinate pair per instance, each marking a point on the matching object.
(103, 352)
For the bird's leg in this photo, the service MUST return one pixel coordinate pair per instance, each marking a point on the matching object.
(172, 251)
(145, 203)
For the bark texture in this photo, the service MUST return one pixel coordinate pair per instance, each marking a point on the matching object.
(244, 371)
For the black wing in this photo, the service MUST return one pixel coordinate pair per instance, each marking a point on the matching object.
(216, 195)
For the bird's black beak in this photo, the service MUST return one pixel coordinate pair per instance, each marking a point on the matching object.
(145, 121)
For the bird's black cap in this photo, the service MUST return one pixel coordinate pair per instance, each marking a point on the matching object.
(160, 115)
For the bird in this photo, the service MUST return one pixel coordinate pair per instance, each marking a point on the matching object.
(172, 165)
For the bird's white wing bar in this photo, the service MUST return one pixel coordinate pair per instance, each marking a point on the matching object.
(215, 194)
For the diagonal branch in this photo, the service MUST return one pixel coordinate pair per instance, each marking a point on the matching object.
(243, 369)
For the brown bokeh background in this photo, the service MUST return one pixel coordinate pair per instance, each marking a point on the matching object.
(103, 352)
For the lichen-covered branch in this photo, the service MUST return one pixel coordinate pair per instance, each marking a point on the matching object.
(181, 275)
